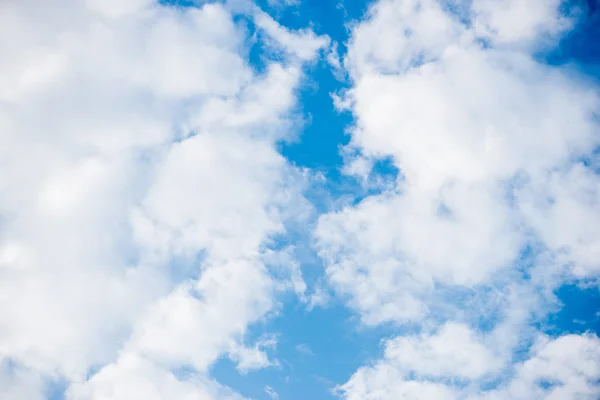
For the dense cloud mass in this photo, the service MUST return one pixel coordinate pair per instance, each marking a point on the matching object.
(140, 188)
(491, 147)
(143, 197)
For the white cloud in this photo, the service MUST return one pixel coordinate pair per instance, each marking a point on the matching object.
(20, 383)
(474, 131)
(140, 189)
(487, 140)
(283, 3)
(454, 352)
(514, 21)
(419, 366)
(116, 8)
(271, 393)
(562, 368)
(397, 34)
(335, 62)
(250, 358)
(563, 209)
(135, 377)
(383, 382)
(380, 251)
(302, 44)
(304, 349)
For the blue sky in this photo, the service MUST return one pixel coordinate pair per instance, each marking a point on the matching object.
(338, 199)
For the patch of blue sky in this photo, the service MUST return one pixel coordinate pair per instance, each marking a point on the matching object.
(578, 311)
(56, 390)
(580, 46)
(336, 344)
(592, 161)
(316, 351)
(318, 147)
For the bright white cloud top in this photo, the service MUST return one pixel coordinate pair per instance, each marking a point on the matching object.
(143, 198)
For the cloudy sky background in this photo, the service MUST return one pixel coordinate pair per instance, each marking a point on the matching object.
(299, 199)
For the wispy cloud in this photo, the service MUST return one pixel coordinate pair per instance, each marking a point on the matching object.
(304, 349)
(271, 393)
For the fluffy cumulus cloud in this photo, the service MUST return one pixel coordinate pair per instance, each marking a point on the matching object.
(429, 367)
(283, 3)
(494, 206)
(140, 192)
